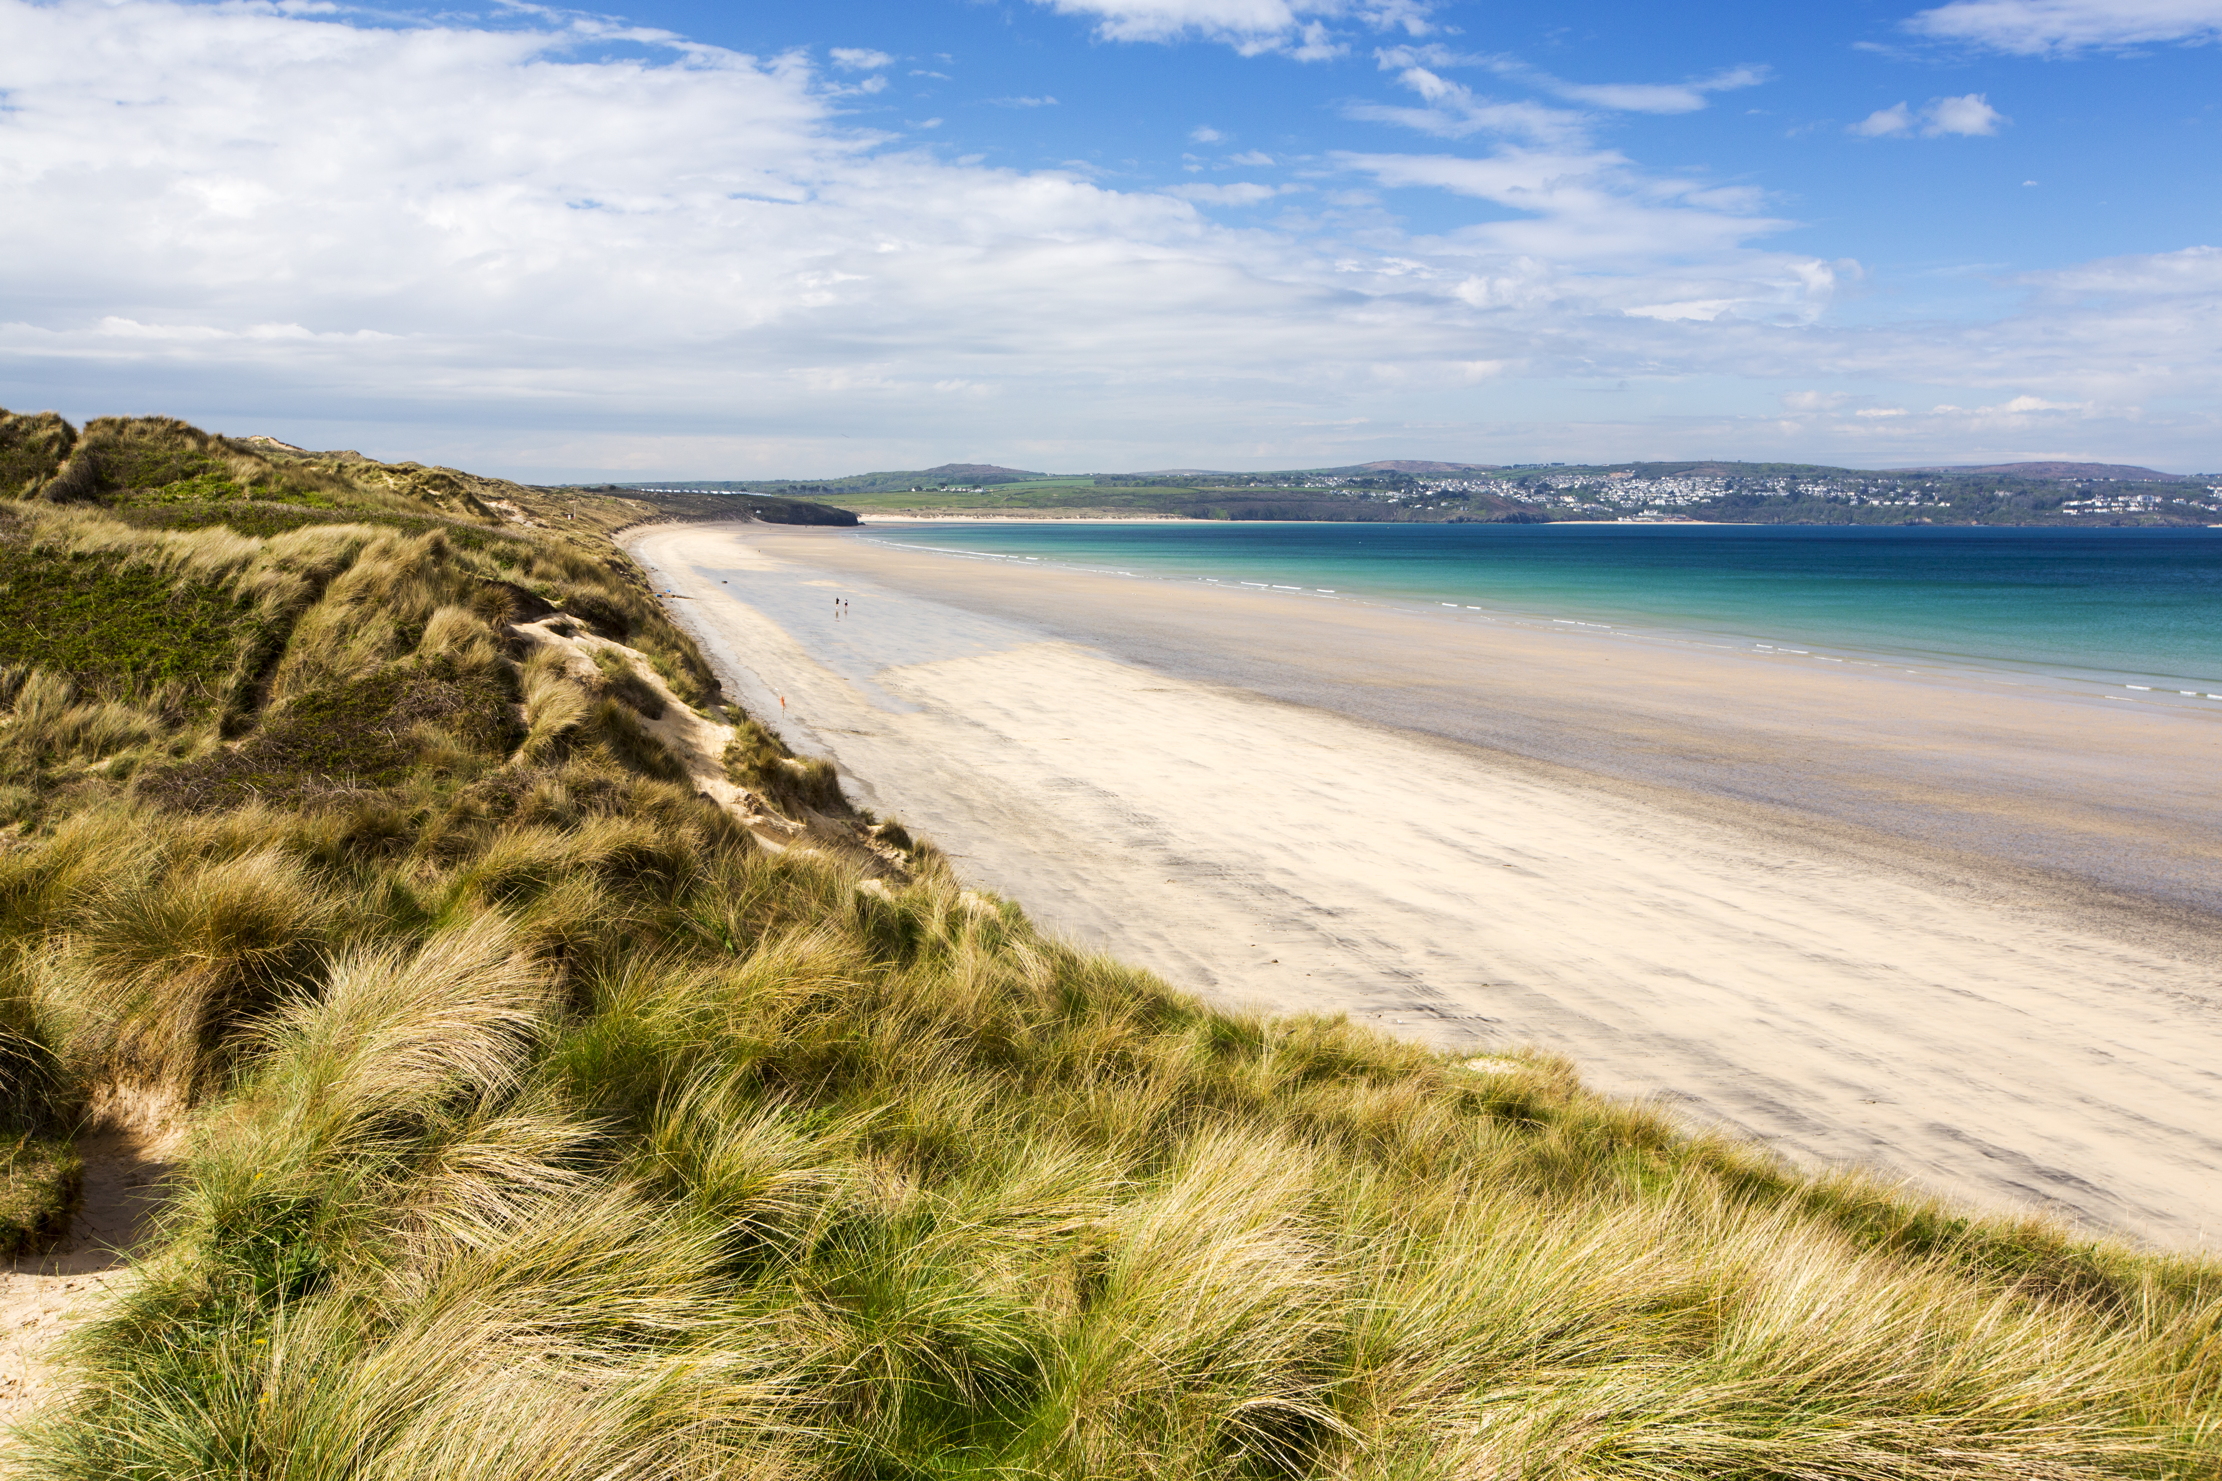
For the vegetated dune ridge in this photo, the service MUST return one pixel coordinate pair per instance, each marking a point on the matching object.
(540, 1116)
(1809, 976)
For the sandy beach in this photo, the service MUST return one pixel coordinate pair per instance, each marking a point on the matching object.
(1954, 929)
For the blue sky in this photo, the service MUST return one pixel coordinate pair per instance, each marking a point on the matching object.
(707, 240)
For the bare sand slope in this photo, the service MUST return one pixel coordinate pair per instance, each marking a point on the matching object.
(1808, 986)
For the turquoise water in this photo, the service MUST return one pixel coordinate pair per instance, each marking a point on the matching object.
(2082, 606)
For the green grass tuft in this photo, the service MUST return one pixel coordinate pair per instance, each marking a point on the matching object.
(622, 681)
(372, 734)
(126, 629)
(31, 449)
(755, 759)
(42, 1181)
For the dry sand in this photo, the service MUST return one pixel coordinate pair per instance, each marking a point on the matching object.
(1944, 927)
(127, 1158)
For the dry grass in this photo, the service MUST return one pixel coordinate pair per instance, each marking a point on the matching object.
(545, 1125)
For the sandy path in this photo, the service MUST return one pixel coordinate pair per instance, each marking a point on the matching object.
(1835, 999)
(41, 1299)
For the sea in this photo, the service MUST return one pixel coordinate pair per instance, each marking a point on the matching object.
(2110, 610)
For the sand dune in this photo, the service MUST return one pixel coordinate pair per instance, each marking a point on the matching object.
(1991, 1028)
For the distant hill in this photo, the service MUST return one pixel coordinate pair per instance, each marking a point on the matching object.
(2125, 472)
(1411, 465)
(967, 473)
(978, 475)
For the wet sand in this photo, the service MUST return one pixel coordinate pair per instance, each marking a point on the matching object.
(1947, 927)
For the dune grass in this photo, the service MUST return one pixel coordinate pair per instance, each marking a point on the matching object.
(99, 621)
(547, 1123)
(42, 1182)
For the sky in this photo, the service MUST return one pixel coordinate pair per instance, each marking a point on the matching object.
(707, 239)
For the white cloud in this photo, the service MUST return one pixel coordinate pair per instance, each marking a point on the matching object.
(1621, 97)
(1969, 116)
(1297, 28)
(1885, 122)
(1451, 110)
(1703, 310)
(858, 59)
(1656, 97)
(1243, 194)
(1593, 208)
(528, 250)
(1204, 133)
(2039, 27)
(1252, 157)
(1045, 101)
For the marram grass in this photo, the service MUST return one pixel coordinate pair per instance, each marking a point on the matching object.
(546, 1124)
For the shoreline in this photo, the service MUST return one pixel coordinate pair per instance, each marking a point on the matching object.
(2066, 674)
(2058, 676)
(991, 516)
(1807, 972)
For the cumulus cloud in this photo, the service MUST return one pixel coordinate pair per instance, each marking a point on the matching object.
(859, 59)
(2040, 27)
(559, 247)
(1296, 28)
(1966, 116)
(1969, 117)
(1883, 123)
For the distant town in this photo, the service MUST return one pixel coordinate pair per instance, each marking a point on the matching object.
(1436, 492)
